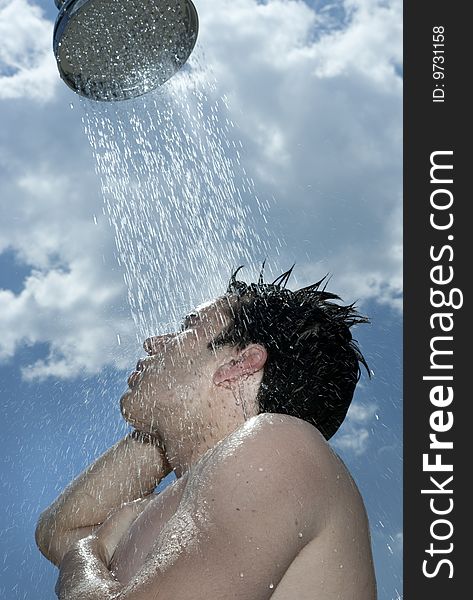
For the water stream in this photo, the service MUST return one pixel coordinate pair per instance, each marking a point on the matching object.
(183, 209)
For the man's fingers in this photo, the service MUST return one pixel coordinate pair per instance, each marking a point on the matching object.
(118, 523)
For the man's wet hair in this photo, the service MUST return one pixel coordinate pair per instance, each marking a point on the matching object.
(313, 363)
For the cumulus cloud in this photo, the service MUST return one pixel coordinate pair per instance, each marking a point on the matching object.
(66, 301)
(319, 110)
(354, 436)
(316, 98)
(46, 311)
(27, 65)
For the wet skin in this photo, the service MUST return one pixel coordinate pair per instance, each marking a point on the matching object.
(271, 512)
(262, 507)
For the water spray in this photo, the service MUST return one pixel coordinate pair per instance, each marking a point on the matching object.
(119, 49)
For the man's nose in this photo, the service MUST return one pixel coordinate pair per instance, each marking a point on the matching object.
(155, 344)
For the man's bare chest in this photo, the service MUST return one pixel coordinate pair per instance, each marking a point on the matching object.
(138, 542)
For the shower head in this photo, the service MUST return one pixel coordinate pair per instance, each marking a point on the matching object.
(119, 49)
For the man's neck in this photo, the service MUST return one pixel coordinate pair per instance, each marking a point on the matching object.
(191, 438)
(186, 452)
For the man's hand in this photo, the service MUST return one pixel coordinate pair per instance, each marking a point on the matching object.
(117, 525)
(130, 470)
(83, 574)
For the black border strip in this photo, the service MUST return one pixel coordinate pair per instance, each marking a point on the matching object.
(443, 127)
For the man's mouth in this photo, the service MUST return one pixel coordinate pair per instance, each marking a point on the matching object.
(154, 364)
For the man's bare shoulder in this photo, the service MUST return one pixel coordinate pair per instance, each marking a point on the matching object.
(287, 446)
(272, 460)
(251, 507)
(279, 483)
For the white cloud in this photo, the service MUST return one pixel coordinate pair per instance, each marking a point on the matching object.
(354, 435)
(66, 310)
(318, 109)
(361, 413)
(27, 65)
(355, 440)
(370, 46)
(67, 301)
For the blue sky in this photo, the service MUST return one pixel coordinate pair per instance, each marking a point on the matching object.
(313, 100)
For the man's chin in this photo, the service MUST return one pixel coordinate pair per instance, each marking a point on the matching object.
(138, 425)
(130, 407)
(126, 414)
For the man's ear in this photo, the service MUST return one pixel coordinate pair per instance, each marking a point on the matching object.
(250, 360)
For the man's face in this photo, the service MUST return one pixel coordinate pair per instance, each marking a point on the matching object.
(171, 382)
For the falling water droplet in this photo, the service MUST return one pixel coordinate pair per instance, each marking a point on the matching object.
(176, 197)
(118, 339)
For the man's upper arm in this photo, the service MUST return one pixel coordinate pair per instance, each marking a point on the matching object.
(248, 514)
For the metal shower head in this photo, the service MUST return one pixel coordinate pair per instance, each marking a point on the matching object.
(119, 49)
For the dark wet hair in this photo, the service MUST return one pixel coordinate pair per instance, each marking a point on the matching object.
(313, 363)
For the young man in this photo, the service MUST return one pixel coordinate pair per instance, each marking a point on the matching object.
(239, 405)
